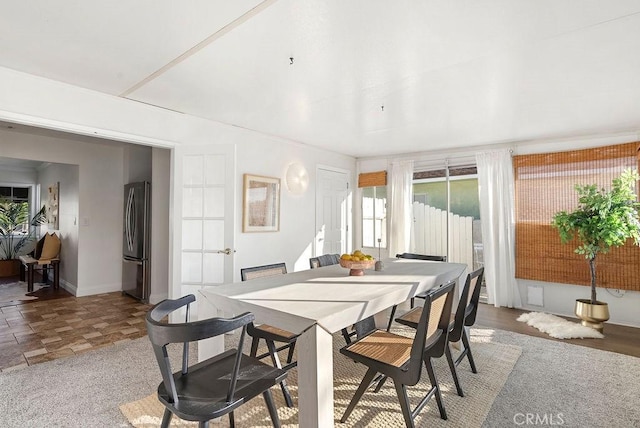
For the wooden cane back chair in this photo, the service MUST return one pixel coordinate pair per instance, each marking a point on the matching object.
(269, 333)
(400, 358)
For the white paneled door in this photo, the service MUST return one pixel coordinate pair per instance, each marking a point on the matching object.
(207, 212)
(332, 200)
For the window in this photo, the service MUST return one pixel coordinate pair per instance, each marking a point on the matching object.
(17, 194)
(544, 185)
(447, 215)
(374, 216)
(374, 208)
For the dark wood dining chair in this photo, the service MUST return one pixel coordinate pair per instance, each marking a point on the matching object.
(324, 260)
(419, 296)
(400, 358)
(465, 316)
(214, 387)
(269, 333)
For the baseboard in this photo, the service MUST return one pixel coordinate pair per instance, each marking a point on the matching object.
(100, 289)
(71, 288)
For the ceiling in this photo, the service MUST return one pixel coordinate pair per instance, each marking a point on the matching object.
(360, 77)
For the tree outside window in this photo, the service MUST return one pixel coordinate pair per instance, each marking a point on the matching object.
(17, 194)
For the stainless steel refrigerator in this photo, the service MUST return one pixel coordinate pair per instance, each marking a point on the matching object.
(136, 245)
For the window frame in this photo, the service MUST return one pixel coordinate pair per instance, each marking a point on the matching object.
(30, 200)
(383, 232)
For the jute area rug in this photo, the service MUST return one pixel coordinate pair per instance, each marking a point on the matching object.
(494, 361)
(16, 292)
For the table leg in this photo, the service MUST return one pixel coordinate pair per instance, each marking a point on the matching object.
(209, 347)
(315, 378)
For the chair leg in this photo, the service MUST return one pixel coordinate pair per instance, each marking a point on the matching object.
(413, 302)
(434, 384)
(452, 367)
(254, 346)
(30, 278)
(290, 354)
(166, 418)
(404, 404)
(467, 346)
(366, 381)
(203, 424)
(393, 313)
(273, 413)
(276, 362)
(345, 334)
(232, 420)
(56, 276)
(381, 382)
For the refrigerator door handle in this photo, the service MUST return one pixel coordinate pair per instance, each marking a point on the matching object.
(130, 216)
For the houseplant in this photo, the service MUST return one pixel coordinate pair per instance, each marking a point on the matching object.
(13, 239)
(602, 220)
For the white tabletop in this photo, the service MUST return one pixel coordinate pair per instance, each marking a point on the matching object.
(328, 296)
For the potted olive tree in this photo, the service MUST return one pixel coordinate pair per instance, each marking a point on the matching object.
(14, 238)
(602, 220)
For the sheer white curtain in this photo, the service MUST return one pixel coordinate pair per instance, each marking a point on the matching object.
(401, 215)
(496, 191)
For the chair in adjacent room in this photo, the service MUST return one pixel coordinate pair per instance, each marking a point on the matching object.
(419, 296)
(400, 358)
(269, 333)
(46, 254)
(214, 387)
(464, 317)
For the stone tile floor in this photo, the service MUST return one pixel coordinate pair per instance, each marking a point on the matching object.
(36, 331)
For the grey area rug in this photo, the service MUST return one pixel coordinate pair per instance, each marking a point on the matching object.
(550, 380)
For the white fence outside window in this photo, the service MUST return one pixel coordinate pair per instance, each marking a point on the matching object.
(429, 235)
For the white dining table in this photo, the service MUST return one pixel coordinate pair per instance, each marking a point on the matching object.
(318, 303)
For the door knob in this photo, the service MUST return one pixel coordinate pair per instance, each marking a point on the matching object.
(226, 251)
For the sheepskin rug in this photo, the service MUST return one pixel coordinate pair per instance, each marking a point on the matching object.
(558, 327)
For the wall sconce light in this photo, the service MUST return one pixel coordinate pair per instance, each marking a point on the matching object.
(297, 178)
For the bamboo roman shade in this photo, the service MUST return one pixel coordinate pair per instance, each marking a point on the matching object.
(544, 185)
(371, 179)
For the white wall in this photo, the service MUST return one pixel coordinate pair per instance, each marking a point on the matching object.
(269, 156)
(96, 208)
(294, 242)
(67, 176)
(137, 163)
(32, 100)
(160, 209)
(81, 111)
(17, 176)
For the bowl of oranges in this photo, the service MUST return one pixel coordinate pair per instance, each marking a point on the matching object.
(357, 262)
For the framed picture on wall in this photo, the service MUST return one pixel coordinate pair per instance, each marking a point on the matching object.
(53, 206)
(260, 204)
